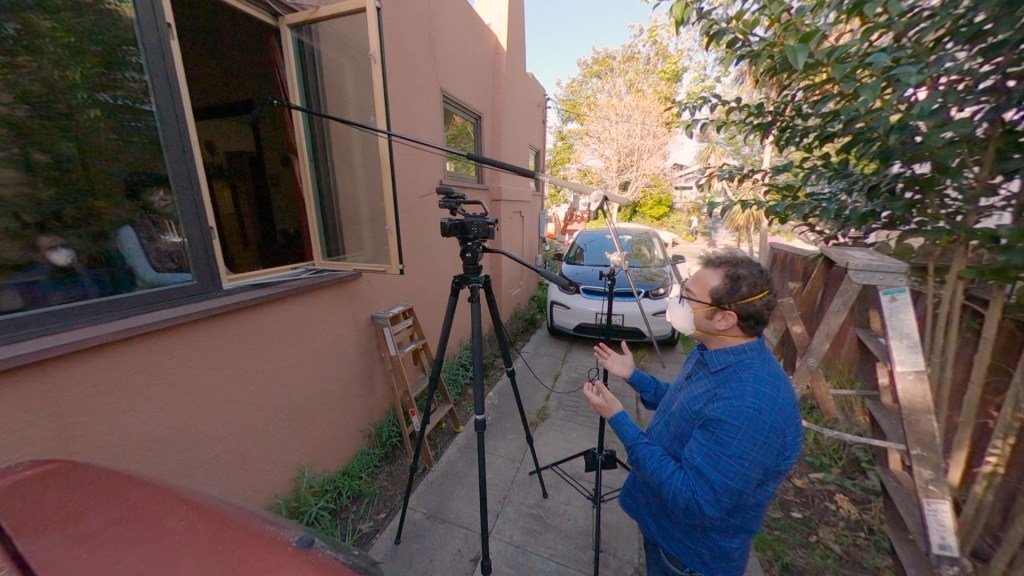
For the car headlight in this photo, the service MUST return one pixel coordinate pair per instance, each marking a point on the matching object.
(660, 292)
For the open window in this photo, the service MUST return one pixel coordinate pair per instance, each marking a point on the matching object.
(286, 189)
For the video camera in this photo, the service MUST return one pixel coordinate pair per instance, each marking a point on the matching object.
(473, 225)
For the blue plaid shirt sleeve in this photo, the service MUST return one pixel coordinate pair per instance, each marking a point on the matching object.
(651, 389)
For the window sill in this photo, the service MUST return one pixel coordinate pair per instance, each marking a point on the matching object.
(53, 345)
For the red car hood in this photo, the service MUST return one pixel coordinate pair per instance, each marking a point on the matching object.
(61, 518)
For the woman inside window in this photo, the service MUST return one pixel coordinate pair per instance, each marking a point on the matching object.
(151, 243)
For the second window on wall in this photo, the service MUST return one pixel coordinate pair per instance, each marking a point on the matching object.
(461, 132)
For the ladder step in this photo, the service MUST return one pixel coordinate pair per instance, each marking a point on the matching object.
(419, 385)
(437, 414)
(385, 316)
(875, 344)
(898, 485)
(411, 346)
(397, 329)
(842, 392)
(888, 418)
(912, 559)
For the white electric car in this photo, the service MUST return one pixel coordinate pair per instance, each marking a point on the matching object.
(587, 263)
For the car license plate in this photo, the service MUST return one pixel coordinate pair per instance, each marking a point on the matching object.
(602, 319)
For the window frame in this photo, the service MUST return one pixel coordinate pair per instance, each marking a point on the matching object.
(284, 24)
(450, 104)
(537, 167)
(153, 38)
(384, 148)
(176, 127)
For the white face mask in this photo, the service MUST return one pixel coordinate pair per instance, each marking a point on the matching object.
(61, 256)
(679, 314)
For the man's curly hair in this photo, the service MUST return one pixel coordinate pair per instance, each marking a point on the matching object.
(742, 278)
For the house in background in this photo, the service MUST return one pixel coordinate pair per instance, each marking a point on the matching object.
(188, 269)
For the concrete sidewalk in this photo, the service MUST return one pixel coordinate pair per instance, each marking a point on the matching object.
(528, 534)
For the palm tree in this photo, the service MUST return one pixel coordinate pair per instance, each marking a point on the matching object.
(742, 216)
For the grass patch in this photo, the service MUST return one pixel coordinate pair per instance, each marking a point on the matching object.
(317, 498)
(687, 343)
(640, 355)
(542, 414)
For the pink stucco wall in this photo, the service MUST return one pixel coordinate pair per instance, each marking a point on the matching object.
(234, 404)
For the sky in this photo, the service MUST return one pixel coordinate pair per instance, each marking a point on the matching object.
(559, 32)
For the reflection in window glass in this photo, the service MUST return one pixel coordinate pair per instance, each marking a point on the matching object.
(346, 164)
(86, 210)
(461, 129)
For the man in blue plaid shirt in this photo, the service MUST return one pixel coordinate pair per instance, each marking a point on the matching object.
(724, 435)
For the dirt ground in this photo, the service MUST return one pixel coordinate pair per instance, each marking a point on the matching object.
(816, 526)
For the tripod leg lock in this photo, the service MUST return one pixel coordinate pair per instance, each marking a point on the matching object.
(480, 423)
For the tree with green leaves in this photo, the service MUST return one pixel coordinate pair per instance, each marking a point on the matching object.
(892, 116)
(615, 116)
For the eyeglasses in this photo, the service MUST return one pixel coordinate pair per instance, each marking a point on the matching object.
(682, 288)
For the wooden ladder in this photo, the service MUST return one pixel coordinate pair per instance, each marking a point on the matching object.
(920, 519)
(409, 360)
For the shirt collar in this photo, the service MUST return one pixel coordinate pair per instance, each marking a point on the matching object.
(725, 357)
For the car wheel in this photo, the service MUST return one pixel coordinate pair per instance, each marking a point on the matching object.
(551, 327)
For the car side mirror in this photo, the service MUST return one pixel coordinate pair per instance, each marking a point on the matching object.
(558, 256)
(678, 259)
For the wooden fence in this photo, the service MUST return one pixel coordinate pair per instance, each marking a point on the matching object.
(989, 500)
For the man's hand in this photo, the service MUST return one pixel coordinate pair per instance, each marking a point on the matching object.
(601, 399)
(619, 364)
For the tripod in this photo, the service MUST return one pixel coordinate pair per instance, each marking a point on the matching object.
(599, 458)
(471, 233)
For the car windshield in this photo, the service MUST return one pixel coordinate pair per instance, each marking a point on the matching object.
(591, 248)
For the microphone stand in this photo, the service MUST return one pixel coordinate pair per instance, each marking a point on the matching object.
(598, 459)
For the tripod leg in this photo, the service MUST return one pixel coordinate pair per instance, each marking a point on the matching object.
(562, 461)
(597, 492)
(480, 422)
(435, 378)
(506, 357)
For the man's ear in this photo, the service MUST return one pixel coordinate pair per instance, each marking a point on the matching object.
(725, 320)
